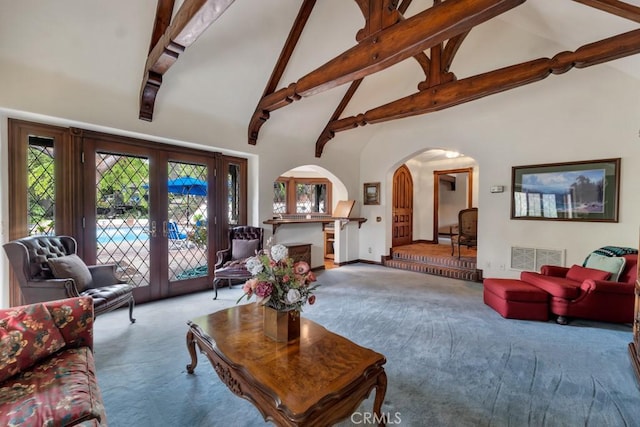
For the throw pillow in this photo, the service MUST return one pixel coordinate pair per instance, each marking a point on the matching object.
(241, 249)
(27, 335)
(71, 266)
(614, 265)
(580, 274)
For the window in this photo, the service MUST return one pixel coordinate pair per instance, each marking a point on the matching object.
(280, 197)
(233, 193)
(41, 190)
(293, 195)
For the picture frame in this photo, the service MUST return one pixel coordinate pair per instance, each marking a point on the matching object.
(371, 193)
(572, 191)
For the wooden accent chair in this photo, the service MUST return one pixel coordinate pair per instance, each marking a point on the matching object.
(244, 242)
(467, 230)
(48, 268)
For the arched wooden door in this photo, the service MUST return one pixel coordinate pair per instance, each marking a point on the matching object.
(402, 211)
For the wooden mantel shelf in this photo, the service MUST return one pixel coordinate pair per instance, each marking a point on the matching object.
(276, 222)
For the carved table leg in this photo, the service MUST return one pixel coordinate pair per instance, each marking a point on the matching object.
(381, 390)
(191, 346)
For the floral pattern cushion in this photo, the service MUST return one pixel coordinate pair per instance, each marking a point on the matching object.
(60, 391)
(74, 319)
(27, 335)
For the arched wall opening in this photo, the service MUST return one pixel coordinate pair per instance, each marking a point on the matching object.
(315, 234)
(422, 165)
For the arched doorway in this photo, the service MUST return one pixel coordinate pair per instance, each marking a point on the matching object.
(402, 209)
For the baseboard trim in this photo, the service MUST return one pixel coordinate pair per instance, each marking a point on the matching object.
(356, 261)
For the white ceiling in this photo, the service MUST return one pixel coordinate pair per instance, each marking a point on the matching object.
(222, 75)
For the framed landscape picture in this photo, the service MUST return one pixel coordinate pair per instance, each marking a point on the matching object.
(372, 193)
(574, 191)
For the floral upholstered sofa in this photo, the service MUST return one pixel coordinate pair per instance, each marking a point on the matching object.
(47, 370)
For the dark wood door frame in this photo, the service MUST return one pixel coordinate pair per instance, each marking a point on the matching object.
(436, 194)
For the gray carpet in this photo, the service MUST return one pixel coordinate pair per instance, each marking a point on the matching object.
(451, 360)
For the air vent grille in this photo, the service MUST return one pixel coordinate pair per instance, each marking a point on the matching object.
(531, 259)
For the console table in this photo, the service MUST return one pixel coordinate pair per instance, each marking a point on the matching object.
(316, 380)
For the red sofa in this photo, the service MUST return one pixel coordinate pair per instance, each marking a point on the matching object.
(584, 293)
(47, 371)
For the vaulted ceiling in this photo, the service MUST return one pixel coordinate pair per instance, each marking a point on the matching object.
(223, 66)
(432, 34)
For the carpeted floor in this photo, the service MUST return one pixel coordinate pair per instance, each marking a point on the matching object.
(451, 360)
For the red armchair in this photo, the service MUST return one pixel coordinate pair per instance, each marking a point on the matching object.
(587, 297)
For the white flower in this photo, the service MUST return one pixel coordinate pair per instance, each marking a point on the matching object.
(279, 252)
(254, 266)
(293, 296)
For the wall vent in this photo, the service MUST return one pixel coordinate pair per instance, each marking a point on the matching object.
(531, 259)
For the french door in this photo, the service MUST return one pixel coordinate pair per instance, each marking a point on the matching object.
(158, 212)
(149, 216)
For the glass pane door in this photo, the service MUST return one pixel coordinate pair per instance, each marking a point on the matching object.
(122, 215)
(187, 225)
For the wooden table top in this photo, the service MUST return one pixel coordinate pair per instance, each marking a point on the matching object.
(299, 373)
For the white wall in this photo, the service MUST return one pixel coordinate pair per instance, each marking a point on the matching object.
(590, 114)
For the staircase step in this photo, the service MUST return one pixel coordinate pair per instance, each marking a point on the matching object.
(468, 263)
(470, 274)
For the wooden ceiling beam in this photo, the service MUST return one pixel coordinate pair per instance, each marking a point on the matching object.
(164, 10)
(421, 58)
(400, 41)
(336, 115)
(285, 55)
(191, 20)
(375, 19)
(476, 87)
(615, 7)
(292, 40)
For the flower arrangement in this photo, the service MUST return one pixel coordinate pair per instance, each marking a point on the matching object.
(278, 282)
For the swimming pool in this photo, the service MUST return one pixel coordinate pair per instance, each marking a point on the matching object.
(121, 234)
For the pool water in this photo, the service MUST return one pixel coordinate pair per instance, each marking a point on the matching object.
(121, 234)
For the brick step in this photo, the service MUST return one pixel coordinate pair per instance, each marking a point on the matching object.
(467, 263)
(470, 274)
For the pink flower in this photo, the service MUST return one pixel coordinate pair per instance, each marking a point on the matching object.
(301, 267)
(249, 286)
(264, 289)
(311, 299)
(286, 278)
(311, 277)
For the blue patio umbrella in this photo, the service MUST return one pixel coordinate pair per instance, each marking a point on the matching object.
(187, 186)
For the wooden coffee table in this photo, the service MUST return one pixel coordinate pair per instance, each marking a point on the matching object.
(316, 380)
